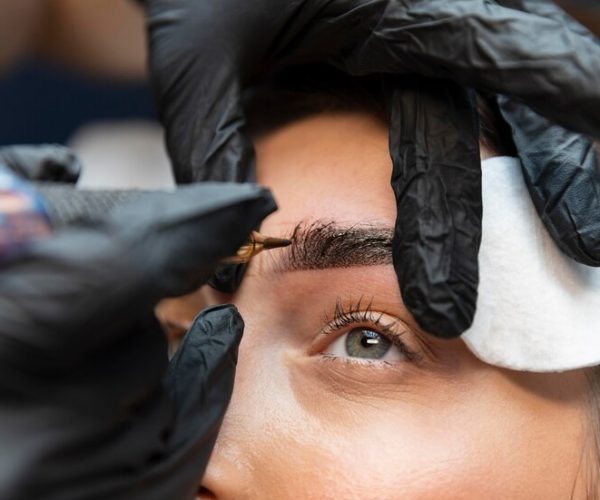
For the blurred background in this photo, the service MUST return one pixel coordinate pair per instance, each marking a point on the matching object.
(73, 72)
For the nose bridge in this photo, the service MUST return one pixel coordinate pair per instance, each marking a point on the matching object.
(226, 476)
(243, 463)
(230, 472)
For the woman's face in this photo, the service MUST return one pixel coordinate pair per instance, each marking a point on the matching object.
(338, 393)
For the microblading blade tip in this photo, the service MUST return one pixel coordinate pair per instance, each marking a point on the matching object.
(270, 243)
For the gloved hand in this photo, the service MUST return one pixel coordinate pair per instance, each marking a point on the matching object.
(204, 53)
(85, 408)
(436, 178)
(560, 167)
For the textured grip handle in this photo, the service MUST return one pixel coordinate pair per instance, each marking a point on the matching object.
(67, 205)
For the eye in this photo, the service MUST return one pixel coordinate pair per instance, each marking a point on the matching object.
(364, 343)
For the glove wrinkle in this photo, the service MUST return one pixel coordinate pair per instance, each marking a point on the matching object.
(205, 361)
(562, 174)
(437, 183)
(200, 381)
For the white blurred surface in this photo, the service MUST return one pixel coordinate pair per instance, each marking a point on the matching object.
(122, 155)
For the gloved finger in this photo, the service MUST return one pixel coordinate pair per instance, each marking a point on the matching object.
(202, 54)
(199, 93)
(200, 376)
(200, 382)
(475, 43)
(562, 173)
(204, 222)
(227, 277)
(48, 162)
(560, 167)
(437, 182)
(218, 150)
(112, 274)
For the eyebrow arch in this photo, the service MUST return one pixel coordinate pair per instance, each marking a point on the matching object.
(326, 245)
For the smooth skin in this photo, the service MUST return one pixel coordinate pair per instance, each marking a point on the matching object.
(306, 420)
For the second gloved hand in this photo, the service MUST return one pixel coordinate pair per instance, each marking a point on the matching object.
(85, 409)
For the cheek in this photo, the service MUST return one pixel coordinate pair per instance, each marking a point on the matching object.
(298, 431)
(346, 448)
(301, 436)
(407, 442)
(392, 444)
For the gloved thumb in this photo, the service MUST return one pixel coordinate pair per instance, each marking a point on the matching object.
(200, 381)
(562, 173)
(47, 162)
(201, 374)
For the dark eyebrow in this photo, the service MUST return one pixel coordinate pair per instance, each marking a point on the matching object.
(326, 245)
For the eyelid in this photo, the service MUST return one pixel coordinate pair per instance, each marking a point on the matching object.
(354, 315)
(390, 330)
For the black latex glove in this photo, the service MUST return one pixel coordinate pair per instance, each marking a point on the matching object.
(562, 173)
(85, 409)
(560, 167)
(437, 182)
(204, 53)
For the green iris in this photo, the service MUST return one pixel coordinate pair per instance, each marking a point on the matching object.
(361, 343)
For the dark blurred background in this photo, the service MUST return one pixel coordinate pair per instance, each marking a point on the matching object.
(41, 102)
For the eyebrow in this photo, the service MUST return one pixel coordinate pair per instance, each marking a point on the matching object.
(326, 245)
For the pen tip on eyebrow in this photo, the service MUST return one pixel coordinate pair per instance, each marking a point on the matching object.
(296, 229)
(270, 243)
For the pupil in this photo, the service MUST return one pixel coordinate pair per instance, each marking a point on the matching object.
(363, 343)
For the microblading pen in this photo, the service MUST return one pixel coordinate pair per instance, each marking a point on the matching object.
(256, 243)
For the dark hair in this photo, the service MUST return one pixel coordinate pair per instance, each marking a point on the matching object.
(298, 92)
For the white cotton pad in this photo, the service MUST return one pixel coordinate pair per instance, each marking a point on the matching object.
(537, 310)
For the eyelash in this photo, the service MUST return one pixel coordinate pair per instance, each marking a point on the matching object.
(355, 314)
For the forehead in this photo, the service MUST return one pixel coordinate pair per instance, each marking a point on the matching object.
(334, 166)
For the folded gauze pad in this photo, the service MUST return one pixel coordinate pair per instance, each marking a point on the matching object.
(537, 309)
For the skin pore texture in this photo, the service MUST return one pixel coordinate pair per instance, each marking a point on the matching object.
(427, 420)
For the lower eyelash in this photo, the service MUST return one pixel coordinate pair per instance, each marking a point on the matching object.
(355, 361)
